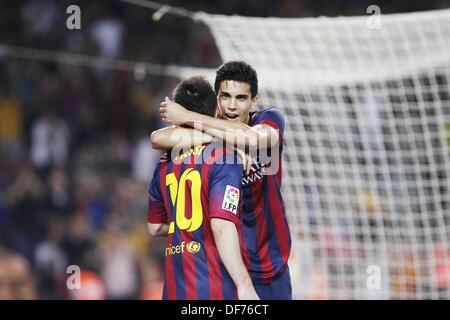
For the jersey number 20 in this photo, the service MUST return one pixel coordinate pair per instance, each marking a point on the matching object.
(178, 198)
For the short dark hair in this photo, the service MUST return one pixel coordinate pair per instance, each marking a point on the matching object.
(196, 94)
(237, 71)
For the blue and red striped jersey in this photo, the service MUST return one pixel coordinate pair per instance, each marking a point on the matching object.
(187, 193)
(265, 232)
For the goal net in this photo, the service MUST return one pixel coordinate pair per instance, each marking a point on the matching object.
(366, 172)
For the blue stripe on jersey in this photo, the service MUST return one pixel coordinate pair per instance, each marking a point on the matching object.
(251, 236)
(164, 295)
(201, 266)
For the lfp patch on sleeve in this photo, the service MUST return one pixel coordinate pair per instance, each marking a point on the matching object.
(231, 199)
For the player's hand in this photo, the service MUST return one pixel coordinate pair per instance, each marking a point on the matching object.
(247, 293)
(247, 161)
(173, 113)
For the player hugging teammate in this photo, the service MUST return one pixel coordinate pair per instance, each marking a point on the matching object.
(260, 217)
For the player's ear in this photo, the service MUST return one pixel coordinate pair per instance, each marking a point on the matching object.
(255, 100)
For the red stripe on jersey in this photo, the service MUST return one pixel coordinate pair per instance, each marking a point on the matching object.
(278, 217)
(273, 125)
(169, 277)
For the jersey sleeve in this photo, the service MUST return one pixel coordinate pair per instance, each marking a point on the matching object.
(271, 117)
(225, 191)
(156, 211)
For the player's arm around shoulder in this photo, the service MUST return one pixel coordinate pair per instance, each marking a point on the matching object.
(178, 137)
(236, 133)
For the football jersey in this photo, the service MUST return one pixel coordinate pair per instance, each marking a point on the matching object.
(187, 193)
(265, 232)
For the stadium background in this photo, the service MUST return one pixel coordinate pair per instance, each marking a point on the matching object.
(79, 196)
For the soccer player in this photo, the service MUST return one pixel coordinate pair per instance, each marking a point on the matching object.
(265, 232)
(195, 200)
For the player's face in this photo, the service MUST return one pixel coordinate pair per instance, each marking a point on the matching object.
(235, 100)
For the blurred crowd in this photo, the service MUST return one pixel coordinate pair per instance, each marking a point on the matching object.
(74, 141)
(76, 159)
